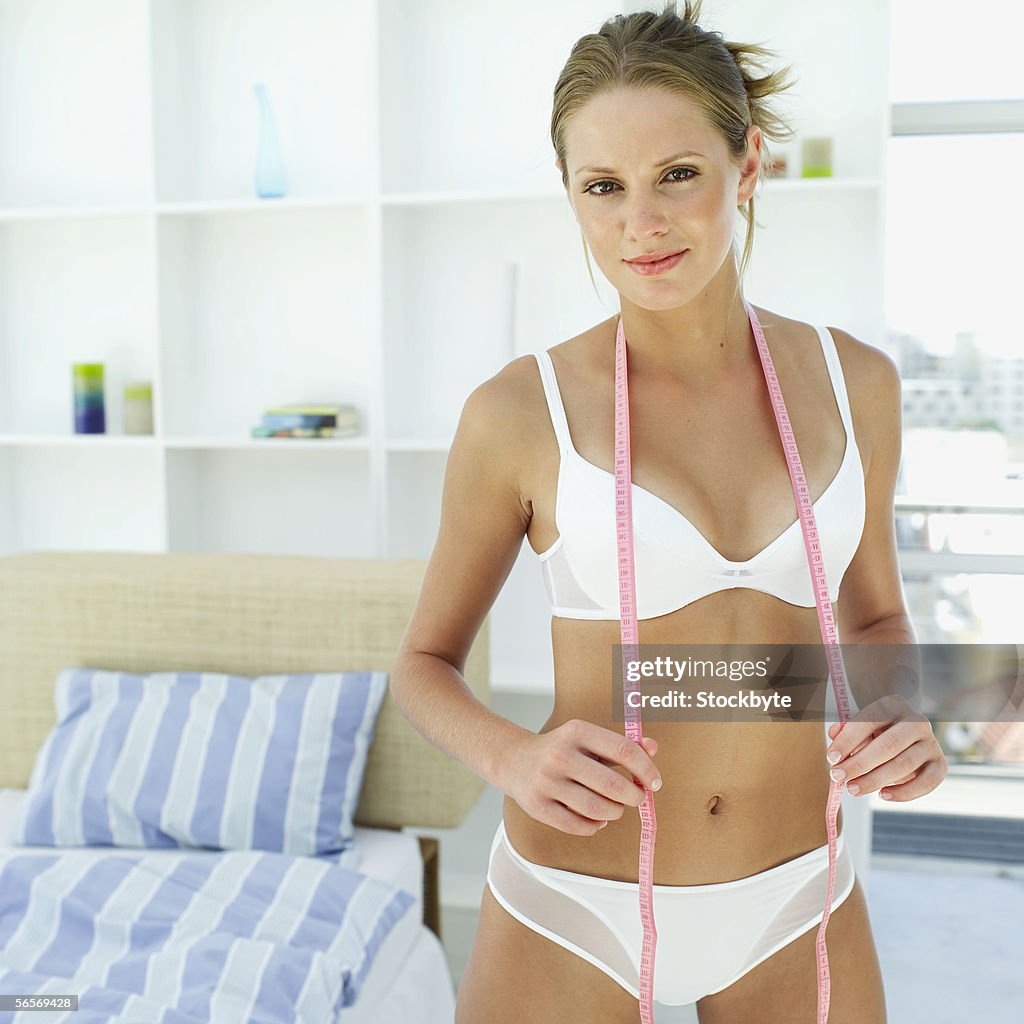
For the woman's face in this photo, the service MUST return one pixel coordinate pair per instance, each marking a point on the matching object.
(645, 196)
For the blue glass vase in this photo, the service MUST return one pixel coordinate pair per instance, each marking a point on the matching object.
(270, 177)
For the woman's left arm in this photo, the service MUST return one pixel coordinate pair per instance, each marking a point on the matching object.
(887, 745)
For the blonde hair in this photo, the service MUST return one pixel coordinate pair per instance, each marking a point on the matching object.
(666, 50)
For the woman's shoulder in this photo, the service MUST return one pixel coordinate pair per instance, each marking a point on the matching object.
(861, 358)
(865, 366)
(872, 376)
(513, 402)
(873, 389)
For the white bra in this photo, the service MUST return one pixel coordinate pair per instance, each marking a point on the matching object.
(674, 563)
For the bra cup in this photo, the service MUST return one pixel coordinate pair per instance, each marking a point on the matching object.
(589, 539)
(586, 524)
(675, 566)
(847, 504)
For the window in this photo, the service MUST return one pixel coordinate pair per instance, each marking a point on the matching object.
(953, 234)
(931, 62)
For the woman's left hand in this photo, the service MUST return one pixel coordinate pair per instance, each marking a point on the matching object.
(888, 746)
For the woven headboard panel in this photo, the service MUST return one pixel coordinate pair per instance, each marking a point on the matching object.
(245, 614)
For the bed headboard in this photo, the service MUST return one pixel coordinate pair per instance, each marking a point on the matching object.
(240, 613)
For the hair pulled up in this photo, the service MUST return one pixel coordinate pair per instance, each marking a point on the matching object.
(670, 51)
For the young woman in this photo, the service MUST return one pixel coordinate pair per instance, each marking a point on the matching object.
(658, 128)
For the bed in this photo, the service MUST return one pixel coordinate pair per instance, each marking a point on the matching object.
(354, 936)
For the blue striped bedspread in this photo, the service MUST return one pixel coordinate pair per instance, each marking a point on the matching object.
(189, 937)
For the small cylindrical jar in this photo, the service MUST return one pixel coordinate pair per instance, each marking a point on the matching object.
(817, 158)
(90, 411)
(138, 407)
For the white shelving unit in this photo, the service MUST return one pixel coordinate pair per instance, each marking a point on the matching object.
(425, 241)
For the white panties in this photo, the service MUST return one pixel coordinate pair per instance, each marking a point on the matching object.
(709, 936)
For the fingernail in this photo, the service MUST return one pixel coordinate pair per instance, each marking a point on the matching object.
(656, 784)
(602, 825)
(832, 756)
(853, 788)
(838, 774)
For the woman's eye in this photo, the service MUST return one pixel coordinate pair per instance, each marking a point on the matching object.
(589, 189)
(689, 170)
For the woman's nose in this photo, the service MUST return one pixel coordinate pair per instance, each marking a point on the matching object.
(644, 215)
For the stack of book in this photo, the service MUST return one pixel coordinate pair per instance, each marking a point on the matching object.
(309, 421)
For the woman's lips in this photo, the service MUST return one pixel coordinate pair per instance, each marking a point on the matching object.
(658, 266)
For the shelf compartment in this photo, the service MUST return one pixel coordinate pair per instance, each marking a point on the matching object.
(307, 503)
(75, 120)
(82, 498)
(257, 312)
(206, 57)
(504, 281)
(464, 99)
(72, 291)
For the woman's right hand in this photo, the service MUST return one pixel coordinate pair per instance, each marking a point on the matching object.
(565, 777)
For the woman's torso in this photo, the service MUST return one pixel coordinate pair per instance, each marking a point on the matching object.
(740, 796)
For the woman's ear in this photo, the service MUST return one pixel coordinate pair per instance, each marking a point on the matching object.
(752, 166)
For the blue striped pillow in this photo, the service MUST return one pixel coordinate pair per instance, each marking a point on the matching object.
(203, 759)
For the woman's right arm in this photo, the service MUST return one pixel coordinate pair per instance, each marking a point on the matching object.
(568, 777)
(483, 522)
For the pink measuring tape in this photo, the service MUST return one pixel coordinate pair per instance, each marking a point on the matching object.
(630, 643)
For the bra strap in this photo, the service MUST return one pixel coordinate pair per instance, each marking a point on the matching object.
(835, 372)
(554, 398)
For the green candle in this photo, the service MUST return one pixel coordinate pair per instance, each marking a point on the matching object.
(90, 415)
